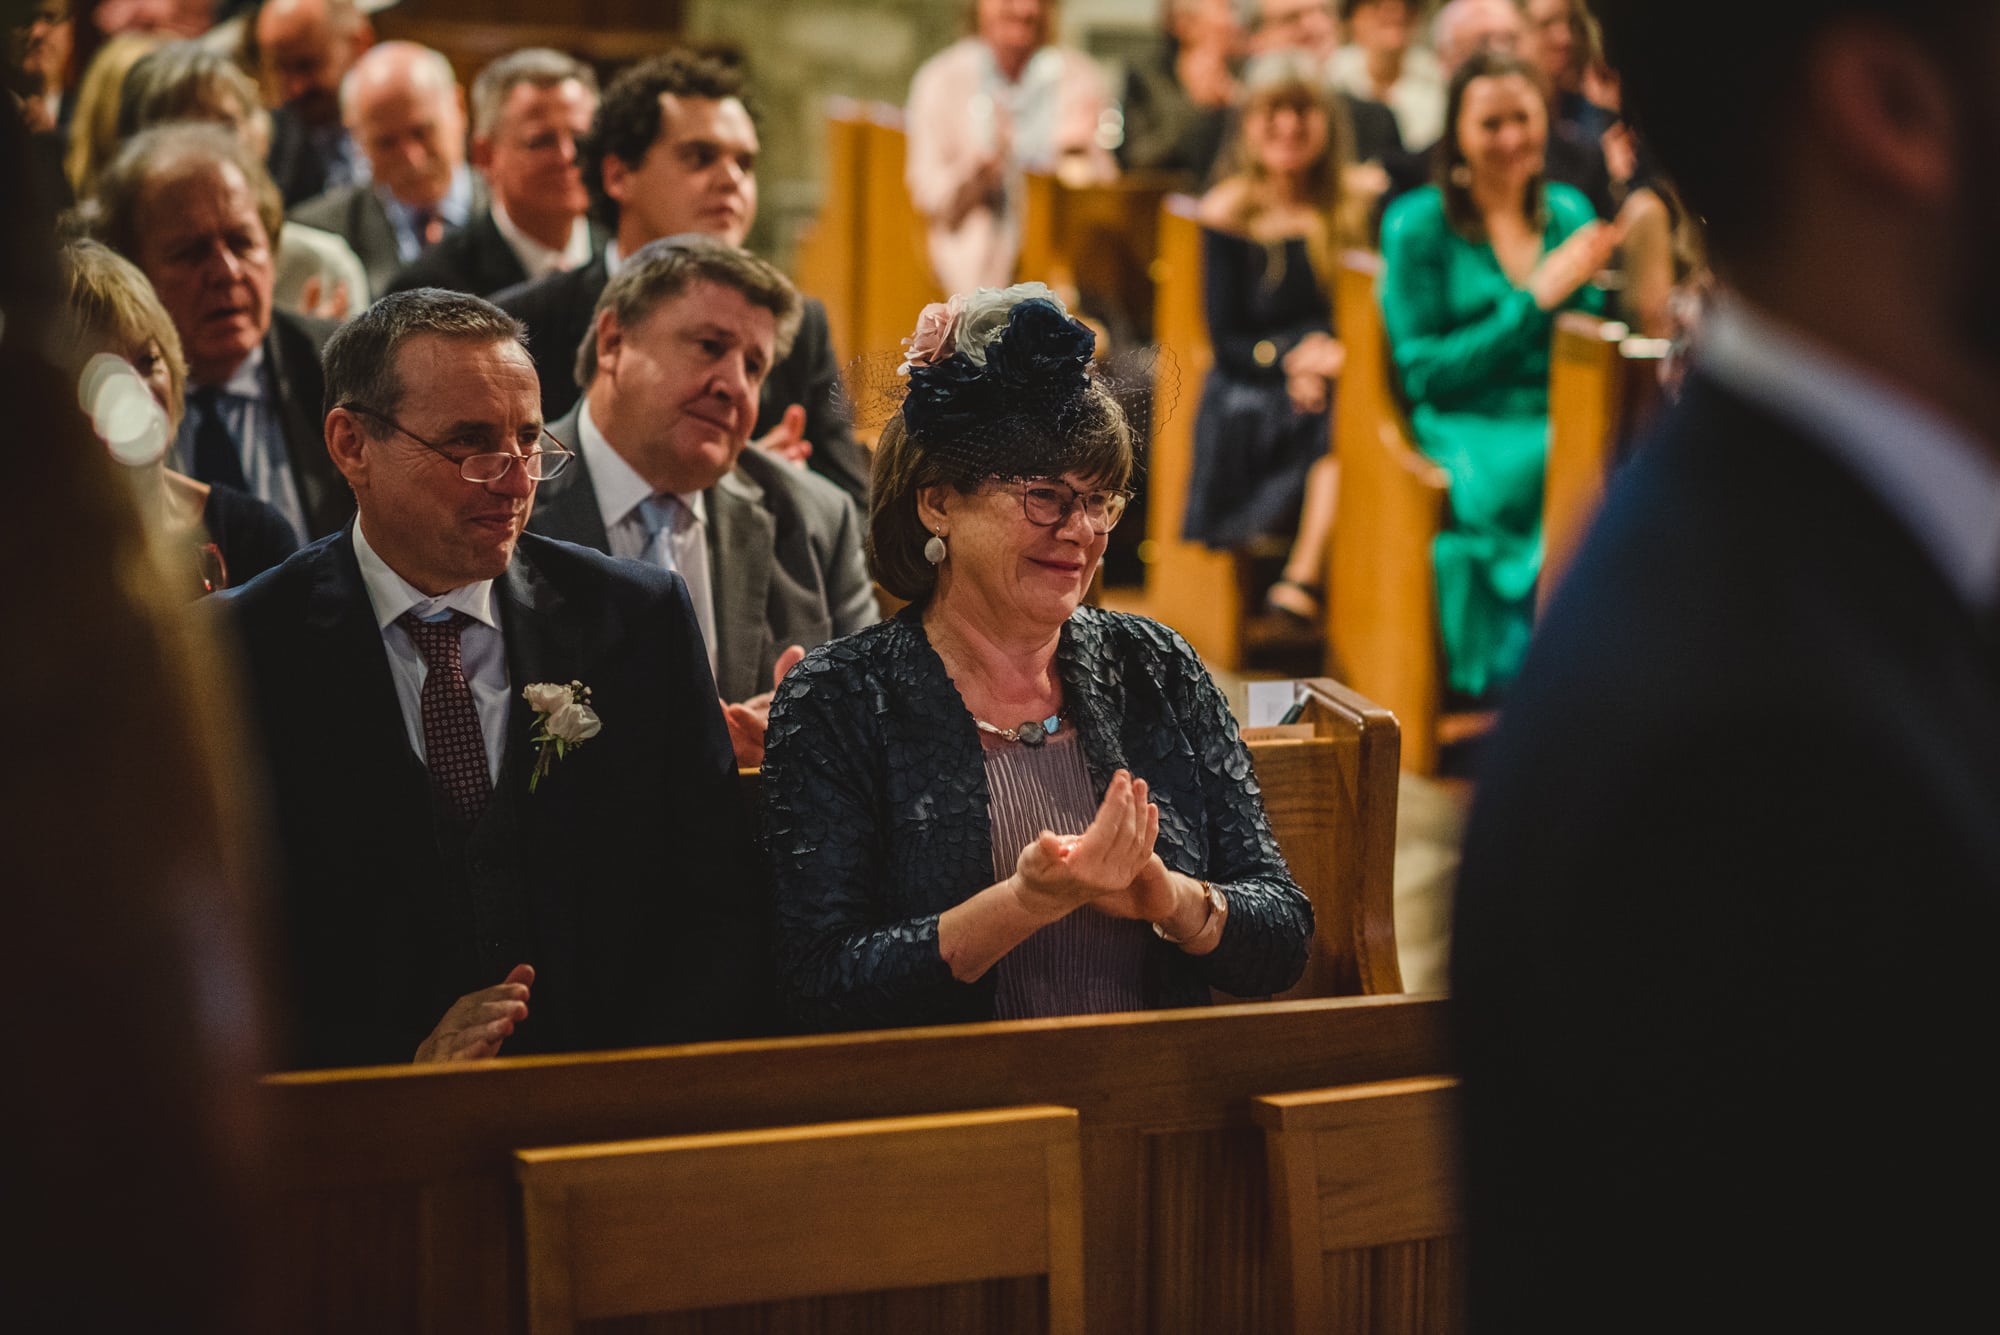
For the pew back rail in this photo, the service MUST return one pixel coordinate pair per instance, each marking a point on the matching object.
(685, 1222)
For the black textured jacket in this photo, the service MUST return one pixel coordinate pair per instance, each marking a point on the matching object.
(876, 818)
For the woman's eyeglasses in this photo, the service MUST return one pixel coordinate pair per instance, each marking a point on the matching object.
(1049, 504)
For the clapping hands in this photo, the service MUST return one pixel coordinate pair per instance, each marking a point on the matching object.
(1059, 873)
(1573, 263)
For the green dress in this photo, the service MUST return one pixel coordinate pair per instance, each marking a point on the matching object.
(1472, 351)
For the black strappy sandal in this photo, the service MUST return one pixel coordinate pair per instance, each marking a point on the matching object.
(1295, 601)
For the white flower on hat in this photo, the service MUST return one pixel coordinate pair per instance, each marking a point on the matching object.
(984, 317)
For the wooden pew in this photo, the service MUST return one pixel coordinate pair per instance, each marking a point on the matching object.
(1604, 385)
(894, 281)
(681, 1223)
(1382, 618)
(392, 1202)
(1195, 590)
(1354, 1170)
(604, 33)
(1332, 803)
(1101, 239)
(827, 263)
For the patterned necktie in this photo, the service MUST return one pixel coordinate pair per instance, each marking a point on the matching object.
(428, 224)
(215, 457)
(454, 747)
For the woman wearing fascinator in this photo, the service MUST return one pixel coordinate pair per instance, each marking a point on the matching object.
(1002, 803)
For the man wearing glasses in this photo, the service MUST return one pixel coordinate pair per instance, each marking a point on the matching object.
(683, 338)
(455, 884)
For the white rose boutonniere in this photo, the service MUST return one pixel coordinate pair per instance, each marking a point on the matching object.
(563, 719)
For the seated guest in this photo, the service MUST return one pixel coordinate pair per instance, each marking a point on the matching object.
(225, 535)
(1308, 30)
(1176, 108)
(1382, 63)
(1559, 43)
(937, 858)
(532, 725)
(1475, 269)
(771, 554)
(1273, 230)
(991, 106)
(305, 48)
(529, 110)
(1461, 30)
(93, 129)
(674, 150)
(403, 105)
(318, 273)
(192, 206)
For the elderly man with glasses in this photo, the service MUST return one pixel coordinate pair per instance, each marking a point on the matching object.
(479, 742)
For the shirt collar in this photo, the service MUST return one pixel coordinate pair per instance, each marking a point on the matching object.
(1933, 475)
(391, 595)
(618, 485)
(247, 380)
(454, 208)
(540, 260)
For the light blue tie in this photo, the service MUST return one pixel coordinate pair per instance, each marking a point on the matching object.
(663, 517)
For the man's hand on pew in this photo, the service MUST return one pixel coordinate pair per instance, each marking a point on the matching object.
(748, 721)
(787, 439)
(477, 1024)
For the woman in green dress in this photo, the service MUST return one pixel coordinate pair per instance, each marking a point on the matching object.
(1475, 268)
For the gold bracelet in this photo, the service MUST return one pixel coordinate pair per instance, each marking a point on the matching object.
(1218, 909)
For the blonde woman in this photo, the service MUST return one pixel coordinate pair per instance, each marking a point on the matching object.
(111, 308)
(1276, 225)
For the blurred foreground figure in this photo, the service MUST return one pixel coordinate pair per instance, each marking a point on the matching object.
(130, 1063)
(1733, 876)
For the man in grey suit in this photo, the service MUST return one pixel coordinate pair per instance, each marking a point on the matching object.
(682, 339)
(403, 106)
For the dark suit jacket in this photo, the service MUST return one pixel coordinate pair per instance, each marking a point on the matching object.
(1726, 917)
(627, 879)
(558, 309)
(476, 258)
(356, 215)
(784, 552)
(291, 355)
(295, 164)
(1376, 134)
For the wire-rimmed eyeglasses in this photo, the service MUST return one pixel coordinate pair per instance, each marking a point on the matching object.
(539, 464)
(1048, 503)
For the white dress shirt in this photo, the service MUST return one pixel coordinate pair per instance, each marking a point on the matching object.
(621, 500)
(537, 259)
(250, 410)
(1933, 475)
(482, 651)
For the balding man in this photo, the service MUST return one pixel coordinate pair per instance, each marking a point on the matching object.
(529, 111)
(304, 48)
(403, 106)
(194, 208)
(1463, 27)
